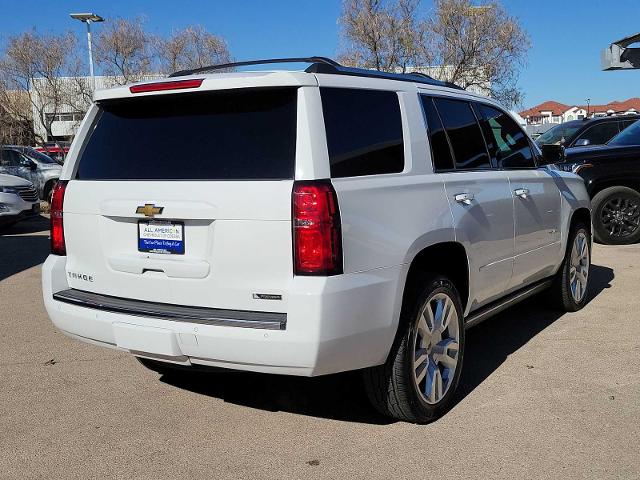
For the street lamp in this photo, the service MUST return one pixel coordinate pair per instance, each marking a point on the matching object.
(89, 18)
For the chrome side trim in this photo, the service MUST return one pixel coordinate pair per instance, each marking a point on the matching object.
(482, 314)
(175, 313)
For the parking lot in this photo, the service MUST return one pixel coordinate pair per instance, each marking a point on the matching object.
(543, 395)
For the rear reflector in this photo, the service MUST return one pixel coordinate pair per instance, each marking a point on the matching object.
(161, 86)
(317, 234)
(58, 246)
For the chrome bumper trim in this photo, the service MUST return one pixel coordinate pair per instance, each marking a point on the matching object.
(176, 313)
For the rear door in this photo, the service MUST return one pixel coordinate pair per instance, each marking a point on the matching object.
(186, 199)
(479, 195)
(536, 197)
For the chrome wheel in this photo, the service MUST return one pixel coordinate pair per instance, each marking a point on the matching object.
(620, 216)
(579, 269)
(436, 345)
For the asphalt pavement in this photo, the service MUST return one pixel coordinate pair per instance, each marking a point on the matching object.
(543, 395)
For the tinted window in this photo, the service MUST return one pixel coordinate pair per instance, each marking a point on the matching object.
(440, 151)
(36, 155)
(507, 143)
(10, 158)
(238, 134)
(464, 133)
(629, 136)
(599, 134)
(364, 131)
(559, 134)
(626, 123)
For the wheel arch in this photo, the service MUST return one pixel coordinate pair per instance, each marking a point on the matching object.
(596, 187)
(582, 214)
(446, 258)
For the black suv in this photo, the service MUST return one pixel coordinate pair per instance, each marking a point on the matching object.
(580, 133)
(612, 176)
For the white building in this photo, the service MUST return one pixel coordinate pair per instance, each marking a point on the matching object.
(552, 112)
(66, 117)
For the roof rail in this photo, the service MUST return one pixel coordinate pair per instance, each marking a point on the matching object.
(222, 66)
(328, 66)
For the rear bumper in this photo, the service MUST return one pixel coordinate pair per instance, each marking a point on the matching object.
(332, 324)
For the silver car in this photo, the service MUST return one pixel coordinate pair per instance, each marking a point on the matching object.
(41, 170)
(18, 200)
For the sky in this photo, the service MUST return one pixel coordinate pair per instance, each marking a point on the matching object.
(563, 63)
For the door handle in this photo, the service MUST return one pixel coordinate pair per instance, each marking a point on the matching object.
(465, 198)
(521, 192)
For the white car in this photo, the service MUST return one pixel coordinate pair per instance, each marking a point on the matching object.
(18, 200)
(307, 223)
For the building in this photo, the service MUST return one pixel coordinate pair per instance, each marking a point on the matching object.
(551, 112)
(65, 117)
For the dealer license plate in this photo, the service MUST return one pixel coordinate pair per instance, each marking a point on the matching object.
(161, 237)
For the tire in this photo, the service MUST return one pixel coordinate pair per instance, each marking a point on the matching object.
(395, 388)
(569, 292)
(616, 216)
(48, 190)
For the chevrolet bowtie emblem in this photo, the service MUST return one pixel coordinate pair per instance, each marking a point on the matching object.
(149, 210)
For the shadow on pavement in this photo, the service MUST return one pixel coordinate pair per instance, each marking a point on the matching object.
(19, 250)
(342, 397)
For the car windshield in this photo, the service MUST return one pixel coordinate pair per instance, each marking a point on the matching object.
(629, 136)
(37, 156)
(557, 135)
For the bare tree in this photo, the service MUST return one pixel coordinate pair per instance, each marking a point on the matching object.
(380, 34)
(124, 50)
(480, 47)
(193, 47)
(32, 87)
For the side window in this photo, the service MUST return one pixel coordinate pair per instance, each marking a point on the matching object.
(364, 131)
(599, 134)
(440, 150)
(626, 123)
(10, 158)
(464, 133)
(508, 145)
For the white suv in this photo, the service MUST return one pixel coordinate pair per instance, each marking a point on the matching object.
(306, 223)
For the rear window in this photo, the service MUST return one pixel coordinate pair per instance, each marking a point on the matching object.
(364, 131)
(225, 135)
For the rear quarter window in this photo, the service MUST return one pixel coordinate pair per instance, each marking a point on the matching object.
(364, 131)
(245, 134)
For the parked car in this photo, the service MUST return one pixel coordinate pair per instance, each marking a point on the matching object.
(18, 200)
(581, 133)
(56, 150)
(38, 168)
(612, 176)
(307, 223)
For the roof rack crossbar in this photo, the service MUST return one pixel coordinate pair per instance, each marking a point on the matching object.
(326, 65)
(222, 66)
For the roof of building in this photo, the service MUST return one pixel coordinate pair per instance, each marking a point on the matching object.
(557, 108)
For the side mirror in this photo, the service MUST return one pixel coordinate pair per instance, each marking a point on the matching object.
(33, 166)
(582, 142)
(551, 154)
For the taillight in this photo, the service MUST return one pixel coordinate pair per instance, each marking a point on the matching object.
(317, 239)
(58, 246)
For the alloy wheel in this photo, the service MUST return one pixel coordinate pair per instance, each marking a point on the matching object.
(621, 216)
(579, 269)
(436, 346)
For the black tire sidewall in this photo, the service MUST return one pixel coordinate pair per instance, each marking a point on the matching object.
(421, 409)
(599, 201)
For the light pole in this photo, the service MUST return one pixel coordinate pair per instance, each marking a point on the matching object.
(89, 18)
